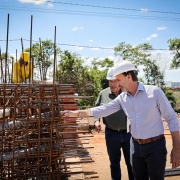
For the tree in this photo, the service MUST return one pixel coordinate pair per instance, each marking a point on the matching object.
(72, 71)
(88, 79)
(8, 69)
(139, 55)
(152, 73)
(42, 54)
(169, 95)
(174, 45)
(99, 70)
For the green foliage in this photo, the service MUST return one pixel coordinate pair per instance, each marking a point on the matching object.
(139, 55)
(141, 80)
(42, 53)
(72, 71)
(169, 95)
(9, 64)
(153, 74)
(174, 45)
(98, 70)
(9, 58)
(176, 94)
(88, 80)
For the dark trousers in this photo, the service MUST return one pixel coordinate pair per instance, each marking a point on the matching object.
(149, 160)
(115, 141)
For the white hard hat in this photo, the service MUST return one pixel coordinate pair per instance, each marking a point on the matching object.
(110, 74)
(124, 66)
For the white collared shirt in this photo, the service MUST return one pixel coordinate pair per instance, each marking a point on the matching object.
(144, 110)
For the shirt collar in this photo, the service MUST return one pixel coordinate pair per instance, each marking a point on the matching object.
(140, 88)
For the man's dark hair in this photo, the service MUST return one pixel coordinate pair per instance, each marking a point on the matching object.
(133, 75)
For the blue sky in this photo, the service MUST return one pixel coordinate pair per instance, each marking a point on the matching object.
(91, 23)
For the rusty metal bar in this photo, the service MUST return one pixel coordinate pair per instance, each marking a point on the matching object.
(2, 75)
(35, 139)
(31, 72)
(22, 49)
(6, 55)
(16, 66)
(12, 70)
(40, 65)
(54, 69)
(8, 77)
(32, 69)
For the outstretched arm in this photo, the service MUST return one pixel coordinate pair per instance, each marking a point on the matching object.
(77, 113)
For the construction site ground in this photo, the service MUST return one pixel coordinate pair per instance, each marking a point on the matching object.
(101, 160)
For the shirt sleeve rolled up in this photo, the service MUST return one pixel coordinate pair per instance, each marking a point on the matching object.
(166, 110)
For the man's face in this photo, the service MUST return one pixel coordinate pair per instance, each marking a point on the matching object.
(123, 81)
(114, 86)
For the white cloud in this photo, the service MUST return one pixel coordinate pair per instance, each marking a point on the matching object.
(90, 41)
(95, 49)
(74, 29)
(154, 35)
(150, 37)
(144, 10)
(77, 28)
(50, 5)
(33, 1)
(79, 48)
(161, 28)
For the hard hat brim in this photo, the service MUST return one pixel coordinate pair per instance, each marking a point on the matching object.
(133, 69)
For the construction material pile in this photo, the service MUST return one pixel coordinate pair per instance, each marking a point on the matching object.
(36, 142)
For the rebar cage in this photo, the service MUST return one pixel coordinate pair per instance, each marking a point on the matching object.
(36, 141)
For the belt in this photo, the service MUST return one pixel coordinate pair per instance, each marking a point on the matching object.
(145, 141)
(119, 130)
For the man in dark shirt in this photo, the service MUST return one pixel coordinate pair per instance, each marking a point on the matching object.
(116, 134)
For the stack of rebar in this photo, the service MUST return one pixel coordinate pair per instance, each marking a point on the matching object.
(36, 142)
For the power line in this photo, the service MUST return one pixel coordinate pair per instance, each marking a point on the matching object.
(88, 13)
(107, 7)
(83, 46)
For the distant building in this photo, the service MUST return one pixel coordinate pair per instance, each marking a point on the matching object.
(172, 84)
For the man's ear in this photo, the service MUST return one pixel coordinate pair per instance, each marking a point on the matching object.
(129, 75)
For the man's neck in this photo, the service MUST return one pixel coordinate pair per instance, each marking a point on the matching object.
(134, 87)
(116, 93)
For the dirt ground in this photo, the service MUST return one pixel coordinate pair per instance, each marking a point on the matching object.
(101, 161)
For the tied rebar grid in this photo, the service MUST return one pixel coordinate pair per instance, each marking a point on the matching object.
(36, 142)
